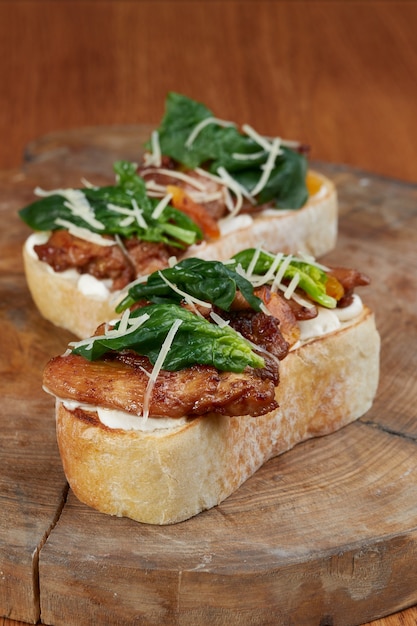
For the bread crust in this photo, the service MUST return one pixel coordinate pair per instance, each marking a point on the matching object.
(312, 229)
(165, 477)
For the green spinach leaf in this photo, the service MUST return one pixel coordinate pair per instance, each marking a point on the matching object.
(172, 226)
(210, 281)
(196, 341)
(312, 279)
(216, 145)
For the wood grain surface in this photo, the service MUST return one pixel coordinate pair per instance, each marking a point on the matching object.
(346, 547)
(338, 75)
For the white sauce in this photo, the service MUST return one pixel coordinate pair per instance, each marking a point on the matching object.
(88, 285)
(329, 320)
(350, 312)
(126, 421)
(92, 287)
(325, 322)
(115, 419)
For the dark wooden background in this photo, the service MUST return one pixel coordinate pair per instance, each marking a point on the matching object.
(340, 76)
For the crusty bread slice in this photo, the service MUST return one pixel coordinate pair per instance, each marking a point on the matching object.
(167, 476)
(312, 230)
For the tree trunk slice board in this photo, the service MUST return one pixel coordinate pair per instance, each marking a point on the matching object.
(324, 534)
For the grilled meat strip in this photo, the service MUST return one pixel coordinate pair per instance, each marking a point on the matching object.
(63, 251)
(349, 278)
(119, 380)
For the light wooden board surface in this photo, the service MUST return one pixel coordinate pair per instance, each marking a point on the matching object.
(325, 532)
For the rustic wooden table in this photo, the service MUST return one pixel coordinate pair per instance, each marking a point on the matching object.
(339, 76)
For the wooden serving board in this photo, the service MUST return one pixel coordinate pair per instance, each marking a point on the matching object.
(325, 534)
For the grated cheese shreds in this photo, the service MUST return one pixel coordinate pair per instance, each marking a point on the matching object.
(79, 206)
(269, 276)
(133, 214)
(307, 258)
(124, 322)
(229, 184)
(84, 233)
(158, 366)
(244, 157)
(233, 184)
(268, 167)
(203, 197)
(137, 281)
(87, 184)
(292, 286)
(158, 210)
(253, 134)
(76, 202)
(237, 190)
(200, 195)
(253, 262)
(219, 320)
(280, 274)
(174, 174)
(302, 301)
(199, 127)
(154, 190)
(156, 148)
(139, 215)
(110, 333)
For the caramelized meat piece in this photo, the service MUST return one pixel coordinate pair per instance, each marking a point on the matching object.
(349, 278)
(261, 329)
(148, 256)
(281, 309)
(286, 311)
(302, 312)
(119, 381)
(63, 251)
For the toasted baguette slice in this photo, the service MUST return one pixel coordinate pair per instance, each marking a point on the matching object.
(312, 230)
(167, 476)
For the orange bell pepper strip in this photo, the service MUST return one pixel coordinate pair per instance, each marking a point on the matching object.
(334, 287)
(183, 202)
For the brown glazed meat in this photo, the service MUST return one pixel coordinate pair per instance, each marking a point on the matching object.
(119, 380)
(121, 264)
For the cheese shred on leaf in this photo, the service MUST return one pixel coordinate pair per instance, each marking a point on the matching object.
(196, 340)
(124, 209)
(193, 280)
(158, 365)
(190, 134)
(215, 283)
(286, 273)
